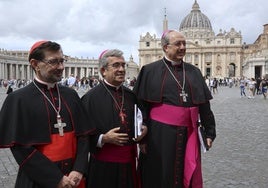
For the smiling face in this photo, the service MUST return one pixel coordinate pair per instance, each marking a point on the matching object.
(45, 70)
(176, 48)
(114, 72)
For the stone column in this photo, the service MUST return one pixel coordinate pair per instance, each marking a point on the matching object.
(1, 70)
(17, 72)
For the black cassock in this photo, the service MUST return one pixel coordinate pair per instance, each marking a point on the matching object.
(163, 165)
(27, 127)
(111, 166)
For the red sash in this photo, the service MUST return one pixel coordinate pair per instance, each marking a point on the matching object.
(60, 148)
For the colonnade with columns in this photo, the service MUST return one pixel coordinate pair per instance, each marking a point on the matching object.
(81, 72)
(10, 69)
(15, 71)
(15, 65)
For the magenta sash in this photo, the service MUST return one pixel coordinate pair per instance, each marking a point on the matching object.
(182, 116)
(119, 154)
(114, 153)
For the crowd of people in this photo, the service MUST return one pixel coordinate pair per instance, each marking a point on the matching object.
(74, 82)
(60, 139)
(249, 87)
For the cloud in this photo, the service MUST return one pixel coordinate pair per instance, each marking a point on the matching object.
(86, 27)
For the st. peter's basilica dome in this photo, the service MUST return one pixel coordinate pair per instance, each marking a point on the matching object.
(196, 20)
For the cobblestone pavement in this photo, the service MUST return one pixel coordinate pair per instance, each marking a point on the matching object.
(239, 157)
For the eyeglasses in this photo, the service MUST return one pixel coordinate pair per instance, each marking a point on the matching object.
(117, 65)
(54, 62)
(178, 43)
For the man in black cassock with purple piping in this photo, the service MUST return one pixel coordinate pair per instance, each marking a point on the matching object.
(173, 94)
(110, 105)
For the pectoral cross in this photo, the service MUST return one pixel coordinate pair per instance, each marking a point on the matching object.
(122, 116)
(184, 95)
(59, 125)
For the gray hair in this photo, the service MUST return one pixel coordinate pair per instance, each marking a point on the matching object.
(165, 38)
(103, 59)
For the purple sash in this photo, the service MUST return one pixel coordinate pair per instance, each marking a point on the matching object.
(182, 116)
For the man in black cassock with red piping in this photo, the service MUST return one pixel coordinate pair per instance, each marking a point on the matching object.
(45, 126)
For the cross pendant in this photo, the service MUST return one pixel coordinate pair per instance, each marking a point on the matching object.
(122, 116)
(59, 125)
(184, 95)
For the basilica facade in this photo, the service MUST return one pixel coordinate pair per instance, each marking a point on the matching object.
(218, 55)
(255, 56)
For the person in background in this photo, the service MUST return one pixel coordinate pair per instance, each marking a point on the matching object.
(263, 87)
(251, 86)
(111, 107)
(242, 85)
(257, 88)
(173, 94)
(215, 86)
(48, 131)
(71, 81)
(9, 89)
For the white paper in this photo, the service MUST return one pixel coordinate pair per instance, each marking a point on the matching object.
(203, 148)
(137, 121)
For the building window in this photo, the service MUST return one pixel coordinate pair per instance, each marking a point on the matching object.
(147, 44)
(188, 57)
(196, 58)
(232, 41)
(208, 71)
(218, 42)
(232, 56)
(218, 58)
(208, 57)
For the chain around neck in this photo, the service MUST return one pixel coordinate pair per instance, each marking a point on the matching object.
(178, 82)
(55, 109)
(115, 101)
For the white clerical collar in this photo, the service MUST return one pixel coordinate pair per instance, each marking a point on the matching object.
(49, 85)
(117, 87)
(173, 63)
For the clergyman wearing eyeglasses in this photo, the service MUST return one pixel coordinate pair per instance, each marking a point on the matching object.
(174, 94)
(111, 105)
(48, 130)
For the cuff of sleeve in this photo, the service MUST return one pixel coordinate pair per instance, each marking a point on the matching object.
(99, 143)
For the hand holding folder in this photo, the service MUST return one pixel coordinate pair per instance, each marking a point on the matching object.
(137, 121)
(202, 137)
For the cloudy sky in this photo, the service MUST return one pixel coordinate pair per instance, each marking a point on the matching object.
(85, 28)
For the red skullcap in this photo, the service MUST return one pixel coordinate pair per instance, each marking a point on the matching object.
(102, 53)
(36, 45)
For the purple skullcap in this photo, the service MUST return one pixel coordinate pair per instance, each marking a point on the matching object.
(36, 45)
(165, 33)
(102, 53)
